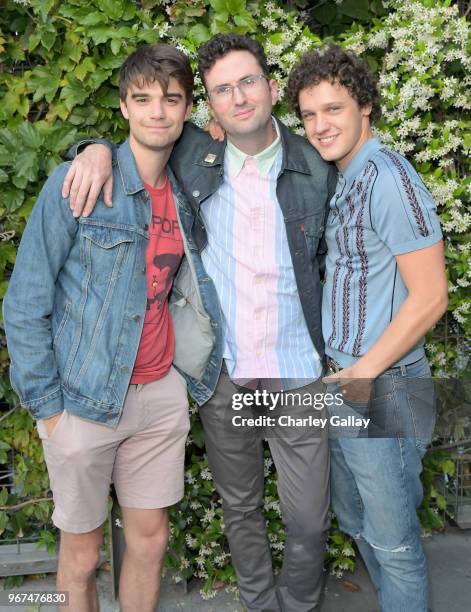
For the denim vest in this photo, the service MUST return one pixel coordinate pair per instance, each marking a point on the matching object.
(76, 301)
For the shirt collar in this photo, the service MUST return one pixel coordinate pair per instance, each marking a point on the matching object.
(360, 159)
(264, 160)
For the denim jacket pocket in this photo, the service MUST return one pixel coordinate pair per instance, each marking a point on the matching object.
(62, 324)
(104, 250)
(313, 230)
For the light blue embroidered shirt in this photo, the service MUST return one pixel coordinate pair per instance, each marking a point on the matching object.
(381, 208)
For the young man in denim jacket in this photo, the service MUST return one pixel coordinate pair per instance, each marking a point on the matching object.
(91, 340)
(259, 200)
(385, 288)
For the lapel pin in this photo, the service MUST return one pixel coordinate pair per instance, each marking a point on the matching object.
(210, 158)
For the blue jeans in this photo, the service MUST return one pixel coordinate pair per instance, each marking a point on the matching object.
(376, 487)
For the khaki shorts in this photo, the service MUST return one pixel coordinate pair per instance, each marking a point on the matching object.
(144, 456)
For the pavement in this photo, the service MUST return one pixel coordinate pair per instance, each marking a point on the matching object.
(449, 556)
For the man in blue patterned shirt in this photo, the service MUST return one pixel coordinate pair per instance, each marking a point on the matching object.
(385, 288)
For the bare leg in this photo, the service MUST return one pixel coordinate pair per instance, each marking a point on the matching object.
(78, 558)
(146, 535)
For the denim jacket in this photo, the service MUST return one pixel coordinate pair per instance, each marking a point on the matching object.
(305, 185)
(76, 301)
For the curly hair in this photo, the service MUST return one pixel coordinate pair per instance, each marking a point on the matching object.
(222, 44)
(335, 65)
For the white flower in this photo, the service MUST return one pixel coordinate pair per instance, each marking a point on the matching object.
(208, 516)
(206, 474)
(190, 541)
(189, 478)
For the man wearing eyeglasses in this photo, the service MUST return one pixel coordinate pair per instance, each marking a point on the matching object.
(259, 200)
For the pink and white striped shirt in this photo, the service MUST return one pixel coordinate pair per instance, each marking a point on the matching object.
(248, 259)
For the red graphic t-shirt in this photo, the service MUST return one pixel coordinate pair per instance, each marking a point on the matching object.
(163, 256)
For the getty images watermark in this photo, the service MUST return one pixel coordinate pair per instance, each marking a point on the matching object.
(275, 403)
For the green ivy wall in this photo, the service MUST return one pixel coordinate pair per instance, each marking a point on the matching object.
(59, 64)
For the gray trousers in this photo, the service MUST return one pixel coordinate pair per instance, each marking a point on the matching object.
(301, 457)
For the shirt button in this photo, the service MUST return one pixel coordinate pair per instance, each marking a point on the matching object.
(143, 270)
(195, 193)
(145, 227)
(124, 369)
(136, 318)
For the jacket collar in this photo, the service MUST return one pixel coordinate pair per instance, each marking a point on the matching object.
(293, 157)
(132, 182)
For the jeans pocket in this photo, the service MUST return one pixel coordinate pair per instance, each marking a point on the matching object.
(422, 403)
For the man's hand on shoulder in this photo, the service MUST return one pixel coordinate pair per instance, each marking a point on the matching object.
(215, 130)
(90, 172)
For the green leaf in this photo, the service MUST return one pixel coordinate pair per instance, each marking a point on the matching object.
(448, 467)
(29, 135)
(44, 82)
(10, 102)
(358, 9)
(74, 93)
(116, 45)
(109, 97)
(11, 199)
(246, 21)
(112, 8)
(3, 496)
(93, 18)
(197, 434)
(48, 39)
(34, 40)
(235, 6)
(97, 77)
(72, 51)
(200, 33)
(60, 139)
(88, 65)
(101, 34)
(220, 6)
(10, 140)
(3, 524)
(3, 176)
(7, 253)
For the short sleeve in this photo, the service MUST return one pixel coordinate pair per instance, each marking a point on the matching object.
(403, 212)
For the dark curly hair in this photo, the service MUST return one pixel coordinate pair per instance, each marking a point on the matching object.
(222, 44)
(335, 65)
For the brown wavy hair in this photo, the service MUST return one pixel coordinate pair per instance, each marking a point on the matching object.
(335, 65)
(159, 62)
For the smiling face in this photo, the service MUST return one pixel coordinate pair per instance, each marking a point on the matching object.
(244, 115)
(155, 118)
(335, 124)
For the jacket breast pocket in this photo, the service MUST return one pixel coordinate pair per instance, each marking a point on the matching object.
(104, 251)
(313, 231)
